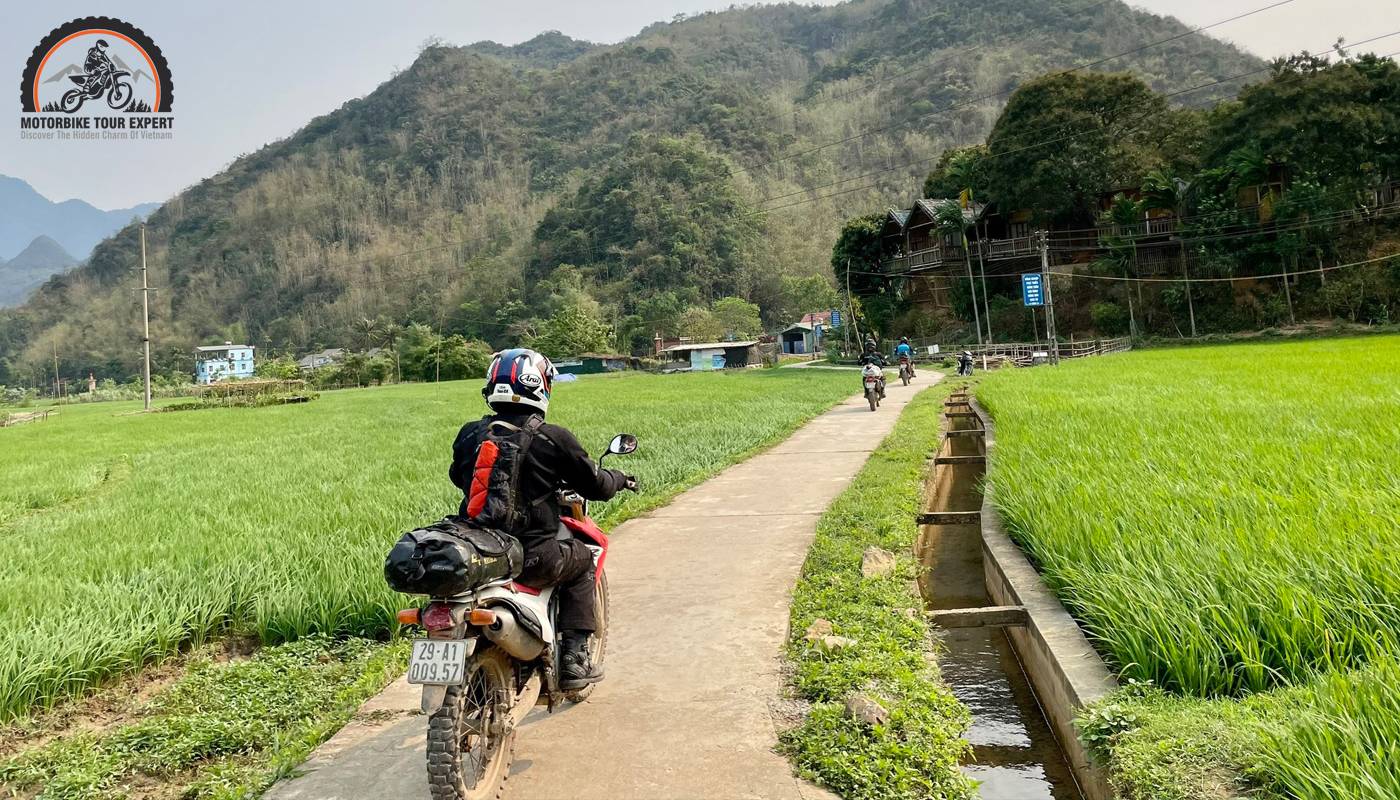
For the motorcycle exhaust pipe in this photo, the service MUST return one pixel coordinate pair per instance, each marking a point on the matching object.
(508, 634)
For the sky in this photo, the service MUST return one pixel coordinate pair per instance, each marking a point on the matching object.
(255, 71)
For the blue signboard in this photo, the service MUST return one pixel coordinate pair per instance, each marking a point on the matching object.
(835, 318)
(1032, 291)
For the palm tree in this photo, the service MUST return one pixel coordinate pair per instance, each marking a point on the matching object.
(390, 333)
(965, 171)
(367, 329)
(950, 220)
(1163, 191)
(1123, 215)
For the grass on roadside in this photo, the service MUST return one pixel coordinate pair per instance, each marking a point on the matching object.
(223, 730)
(916, 754)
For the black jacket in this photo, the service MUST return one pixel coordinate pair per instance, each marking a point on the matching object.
(556, 460)
(877, 359)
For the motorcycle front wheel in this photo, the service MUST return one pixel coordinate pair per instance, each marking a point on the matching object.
(598, 642)
(471, 742)
(119, 95)
(71, 101)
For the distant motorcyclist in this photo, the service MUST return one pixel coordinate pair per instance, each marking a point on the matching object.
(965, 363)
(872, 355)
(905, 354)
(98, 65)
(517, 388)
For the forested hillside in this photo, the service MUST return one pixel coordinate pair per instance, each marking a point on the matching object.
(485, 189)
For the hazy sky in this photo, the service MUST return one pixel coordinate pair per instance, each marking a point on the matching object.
(253, 71)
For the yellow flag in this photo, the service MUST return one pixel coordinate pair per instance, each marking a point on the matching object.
(965, 198)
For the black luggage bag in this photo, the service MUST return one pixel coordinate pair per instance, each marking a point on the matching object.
(451, 557)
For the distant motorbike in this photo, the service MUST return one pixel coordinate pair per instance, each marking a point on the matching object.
(873, 377)
(91, 87)
(906, 370)
(491, 655)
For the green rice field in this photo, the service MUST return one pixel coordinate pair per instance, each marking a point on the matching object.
(128, 537)
(1225, 522)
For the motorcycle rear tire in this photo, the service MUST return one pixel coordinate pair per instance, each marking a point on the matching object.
(448, 777)
(873, 397)
(598, 643)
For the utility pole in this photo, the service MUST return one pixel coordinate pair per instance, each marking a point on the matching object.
(1049, 297)
(850, 305)
(972, 286)
(145, 320)
(55, 369)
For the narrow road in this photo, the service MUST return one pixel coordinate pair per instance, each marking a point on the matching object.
(691, 704)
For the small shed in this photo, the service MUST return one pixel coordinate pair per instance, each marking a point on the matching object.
(595, 363)
(799, 337)
(715, 355)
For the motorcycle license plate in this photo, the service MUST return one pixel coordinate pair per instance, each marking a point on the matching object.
(871, 382)
(440, 662)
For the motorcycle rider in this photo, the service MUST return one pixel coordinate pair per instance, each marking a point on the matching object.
(517, 388)
(965, 363)
(905, 353)
(873, 356)
(98, 65)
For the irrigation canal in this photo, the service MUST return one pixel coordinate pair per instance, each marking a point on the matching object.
(1015, 755)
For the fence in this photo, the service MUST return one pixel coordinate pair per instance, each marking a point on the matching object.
(1023, 353)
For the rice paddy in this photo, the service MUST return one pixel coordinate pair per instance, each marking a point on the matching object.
(128, 537)
(1225, 521)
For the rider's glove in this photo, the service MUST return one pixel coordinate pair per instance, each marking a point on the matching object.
(631, 482)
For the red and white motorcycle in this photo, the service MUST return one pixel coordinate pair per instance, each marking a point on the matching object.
(873, 378)
(493, 654)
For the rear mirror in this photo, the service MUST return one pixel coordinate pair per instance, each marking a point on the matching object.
(622, 444)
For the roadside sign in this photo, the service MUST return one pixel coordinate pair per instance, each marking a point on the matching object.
(835, 318)
(1032, 291)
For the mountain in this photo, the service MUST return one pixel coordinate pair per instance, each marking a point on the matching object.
(22, 274)
(76, 225)
(545, 51)
(485, 187)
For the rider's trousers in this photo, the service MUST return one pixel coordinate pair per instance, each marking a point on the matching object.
(567, 564)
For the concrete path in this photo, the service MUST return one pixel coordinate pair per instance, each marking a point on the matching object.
(700, 597)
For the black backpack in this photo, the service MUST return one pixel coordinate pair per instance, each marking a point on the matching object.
(493, 498)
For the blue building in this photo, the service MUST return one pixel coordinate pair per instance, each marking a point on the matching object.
(222, 362)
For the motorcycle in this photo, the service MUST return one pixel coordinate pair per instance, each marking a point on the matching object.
(906, 370)
(491, 655)
(872, 377)
(118, 91)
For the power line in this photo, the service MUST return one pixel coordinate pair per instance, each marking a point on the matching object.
(1290, 273)
(994, 95)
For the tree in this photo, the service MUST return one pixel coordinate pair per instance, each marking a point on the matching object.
(861, 246)
(958, 169)
(1124, 221)
(804, 295)
(1163, 191)
(737, 318)
(281, 368)
(390, 333)
(571, 332)
(1065, 139)
(700, 325)
(951, 220)
(368, 332)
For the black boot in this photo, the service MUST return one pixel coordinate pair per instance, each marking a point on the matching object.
(577, 669)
